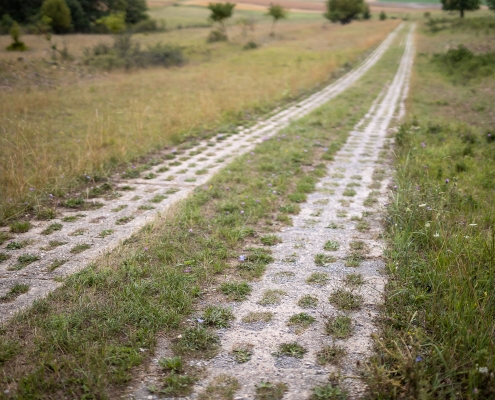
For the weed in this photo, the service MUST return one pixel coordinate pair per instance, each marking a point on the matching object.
(104, 233)
(218, 316)
(124, 220)
(16, 245)
(349, 192)
(292, 349)
(23, 261)
(341, 214)
(353, 184)
(283, 276)
(55, 264)
(308, 301)
(236, 291)
(270, 391)
(357, 177)
(330, 355)
(146, 207)
(72, 218)
(52, 228)
(330, 391)
(78, 232)
(301, 321)
(270, 240)
(171, 364)
(258, 316)
(74, 203)
(363, 226)
(4, 257)
(158, 198)
(197, 339)
(150, 175)
(297, 197)
(172, 191)
(45, 213)
(242, 352)
(162, 169)
(119, 208)
(331, 246)
(354, 259)
(80, 248)
(201, 172)
(354, 280)
(20, 226)
(14, 292)
(4, 236)
(175, 385)
(271, 297)
(357, 245)
(52, 244)
(323, 259)
(333, 225)
(322, 201)
(222, 387)
(371, 200)
(339, 327)
(318, 278)
(346, 300)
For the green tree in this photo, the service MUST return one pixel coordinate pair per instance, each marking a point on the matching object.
(460, 5)
(491, 4)
(277, 12)
(114, 22)
(59, 13)
(343, 11)
(80, 20)
(135, 11)
(383, 16)
(15, 34)
(220, 12)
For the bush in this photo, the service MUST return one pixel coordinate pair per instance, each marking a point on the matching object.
(383, 16)
(344, 11)
(149, 25)
(216, 36)
(15, 34)
(125, 54)
(250, 45)
(463, 63)
(366, 12)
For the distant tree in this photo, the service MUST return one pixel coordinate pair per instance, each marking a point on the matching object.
(114, 22)
(366, 12)
(343, 11)
(80, 21)
(460, 5)
(59, 13)
(219, 13)
(383, 16)
(491, 4)
(135, 11)
(277, 12)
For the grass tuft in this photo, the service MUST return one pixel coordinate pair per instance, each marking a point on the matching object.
(236, 291)
(346, 300)
(339, 327)
(270, 391)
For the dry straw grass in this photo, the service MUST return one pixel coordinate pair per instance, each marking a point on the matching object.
(48, 137)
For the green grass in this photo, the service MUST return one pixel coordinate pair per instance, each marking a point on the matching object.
(20, 226)
(270, 391)
(436, 327)
(330, 355)
(90, 330)
(222, 387)
(79, 248)
(52, 228)
(323, 259)
(259, 316)
(197, 340)
(217, 316)
(318, 278)
(23, 261)
(271, 297)
(292, 349)
(301, 321)
(339, 327)
(346, 300)
(328, 392)
(307, 301)
(14, 292)
(330, 245)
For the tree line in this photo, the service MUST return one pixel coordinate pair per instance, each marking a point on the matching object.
(70, 15)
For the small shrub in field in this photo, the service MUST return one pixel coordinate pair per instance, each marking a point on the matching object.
(15, 34)
(383, 16)
(277, 12)
(250, 45)
(216, 36)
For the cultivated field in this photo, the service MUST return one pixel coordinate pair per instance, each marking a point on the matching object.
(301, 215)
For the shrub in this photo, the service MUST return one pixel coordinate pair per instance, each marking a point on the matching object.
(219, 13)
(250, 45)
(216, 36)
(149, 25)
(383, 16)
(15, 34)
(366, 12)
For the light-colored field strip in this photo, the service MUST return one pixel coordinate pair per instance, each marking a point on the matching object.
(353, 227)
(103, 229)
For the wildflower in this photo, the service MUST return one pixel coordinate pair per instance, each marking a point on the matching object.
(242, 211)
(423, 144)
(31, 189)
(395, 186)
(242, 258)
(257, 201)
(418, 359)
(422, 205)
(436, 235)
(50, 195)
(447, 180)
(174, 151)
(270, 184)
(190, 230)
(243, 203)
(325, 149)
(145, 249)
(252, 153)
(200, 320)
(187, 270)
(466, 237)
(305, 151)
(88, 177)
(475, 391)
(427, 225)
(473, 224)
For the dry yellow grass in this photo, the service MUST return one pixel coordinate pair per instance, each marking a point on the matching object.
(49, 137)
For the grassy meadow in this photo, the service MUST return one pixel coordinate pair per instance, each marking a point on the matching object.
(62, 120)
(437, 325)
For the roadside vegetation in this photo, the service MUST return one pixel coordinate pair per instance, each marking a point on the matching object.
(103, 322)
(436, 338)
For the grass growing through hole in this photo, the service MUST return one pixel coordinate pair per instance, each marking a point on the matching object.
(20, 226)
(242, 352)
(349, 192)
(354, 259)
(171, 363)
(52, 244)
(363, 226)
(308, 301)
(124, 220)
(119, 208)
(52, 228)
(236, 291)
(323, 259)
(329, 391)
(23, 261)
(217, 316)
(80, 248)
(346, 300)
(255, 262)
(4, 257)
(301, 321)
(331, 245)
(55, 264)
(318, 278)
(4, 236)
(14, 292)
(73, 218)
(222, 387)
(270, 391)
(339, 327)
(330, 355)
(292, 349)
(270, 240)
(174, 385)
(132, 295)
(197, 340)
(354, 280)
(258, 316)
(271, 297)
